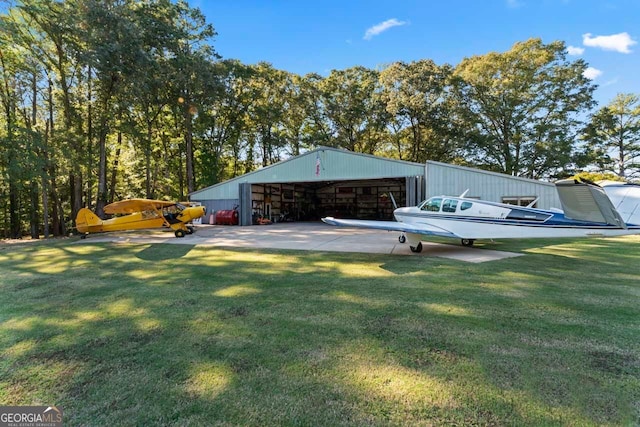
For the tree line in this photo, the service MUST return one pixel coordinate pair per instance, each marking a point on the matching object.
(109, 99)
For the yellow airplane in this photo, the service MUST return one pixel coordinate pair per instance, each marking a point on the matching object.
(140, 214)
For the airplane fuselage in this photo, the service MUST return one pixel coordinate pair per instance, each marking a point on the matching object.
(88, 222)
(475, 219)
(134, 221)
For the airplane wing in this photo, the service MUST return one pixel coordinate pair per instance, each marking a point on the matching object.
(390, 226)
(135, 205)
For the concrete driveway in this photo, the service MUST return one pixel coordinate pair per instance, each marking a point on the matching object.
(312, 236)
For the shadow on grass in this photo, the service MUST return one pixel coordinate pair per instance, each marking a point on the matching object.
(281, 337)
(163, 252)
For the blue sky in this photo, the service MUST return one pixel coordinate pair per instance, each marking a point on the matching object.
(303, 37)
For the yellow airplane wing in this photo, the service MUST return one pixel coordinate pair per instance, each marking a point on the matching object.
(135, 205)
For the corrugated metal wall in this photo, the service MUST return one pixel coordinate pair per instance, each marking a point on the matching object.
(323, 164)
(450, 180)
(214, 206)
(245, 204)
(415, 190)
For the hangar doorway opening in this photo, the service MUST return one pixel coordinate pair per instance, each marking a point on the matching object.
(310, 201)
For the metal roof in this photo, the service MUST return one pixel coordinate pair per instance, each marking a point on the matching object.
(321, 164)
(486, 172)
(446, 179)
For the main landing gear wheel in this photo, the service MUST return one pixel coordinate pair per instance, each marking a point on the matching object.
(179, 233)
(416, 249)
(402, 238)
(467, 242)
(190, 229)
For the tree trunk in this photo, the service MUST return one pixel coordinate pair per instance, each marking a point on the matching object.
(181, 178)
(188, 140)
(147, 160)
(35, 226)
(14, 209)
(45, 205)
(114, 171)
(89, 139)
(102, 174)
(57, 225)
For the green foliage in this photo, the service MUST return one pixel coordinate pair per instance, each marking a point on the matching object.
(598, 176)
(519, 107)
(613, 136)
(416, 98)
(128, 98)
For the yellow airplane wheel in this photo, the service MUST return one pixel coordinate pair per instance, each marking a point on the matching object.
(179, 233)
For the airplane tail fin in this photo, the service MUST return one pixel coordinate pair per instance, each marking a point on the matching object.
(85, 219)
(584, 201)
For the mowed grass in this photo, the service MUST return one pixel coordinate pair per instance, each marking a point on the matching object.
(120, 334)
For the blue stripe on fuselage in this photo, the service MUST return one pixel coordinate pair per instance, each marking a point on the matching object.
(556, 220)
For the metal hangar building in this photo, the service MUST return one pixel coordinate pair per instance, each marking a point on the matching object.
(343, 184)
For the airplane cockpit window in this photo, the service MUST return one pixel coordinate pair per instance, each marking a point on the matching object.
(449, 205)
(432, 205)
(149, 214)
(465, 205)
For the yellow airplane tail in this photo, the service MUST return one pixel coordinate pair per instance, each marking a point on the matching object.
(86, 219)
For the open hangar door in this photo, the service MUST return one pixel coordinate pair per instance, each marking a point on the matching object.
(310, 201)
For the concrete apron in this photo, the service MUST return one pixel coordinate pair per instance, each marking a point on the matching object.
(304, 236)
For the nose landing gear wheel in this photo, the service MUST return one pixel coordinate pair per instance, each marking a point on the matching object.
(467, 242)
(179, 233)
(402, 238)
(416, 249)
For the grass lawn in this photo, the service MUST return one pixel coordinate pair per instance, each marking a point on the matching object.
(120, 334)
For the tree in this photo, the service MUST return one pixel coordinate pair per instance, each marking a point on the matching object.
(295, 119)
(521, 107)
(415, 95)
(9, 64)
(267, 112)
(224, 119)
(348, 106)
(87, 84)
(613, 136)
(192, 74)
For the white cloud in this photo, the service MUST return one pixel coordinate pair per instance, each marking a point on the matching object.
(381, 27)
(618, 42)
(572, 50)
(592, 73)
(610, 82)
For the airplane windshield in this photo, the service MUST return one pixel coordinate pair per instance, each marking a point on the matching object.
(432, 205)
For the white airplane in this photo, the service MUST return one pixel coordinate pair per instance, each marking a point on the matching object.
(587, 212)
